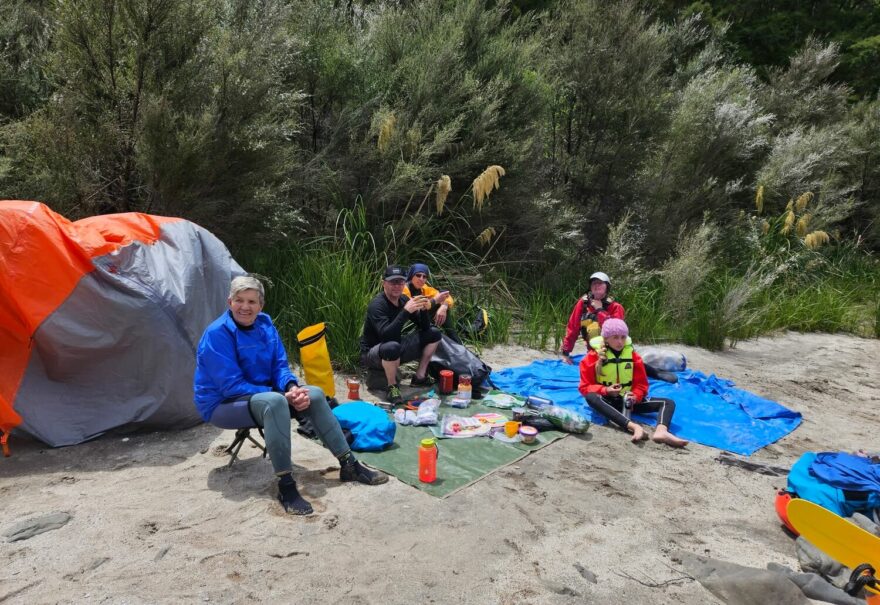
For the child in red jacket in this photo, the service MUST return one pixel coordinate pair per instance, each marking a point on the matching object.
(614, 382)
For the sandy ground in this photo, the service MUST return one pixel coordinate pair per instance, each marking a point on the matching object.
(158, 518)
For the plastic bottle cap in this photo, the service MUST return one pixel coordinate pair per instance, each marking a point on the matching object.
(429, 442)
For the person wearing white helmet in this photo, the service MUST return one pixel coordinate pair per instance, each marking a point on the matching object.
(589, 313)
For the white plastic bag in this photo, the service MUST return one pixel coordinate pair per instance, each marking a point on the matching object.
(404, 417)
(427, 413)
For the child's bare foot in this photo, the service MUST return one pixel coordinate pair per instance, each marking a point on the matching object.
(638, 432)
(661, 435)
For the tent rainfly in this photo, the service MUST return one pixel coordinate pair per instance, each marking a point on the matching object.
(101, 318)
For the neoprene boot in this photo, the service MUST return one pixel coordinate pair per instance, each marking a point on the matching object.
(290, 497)
(352, 470)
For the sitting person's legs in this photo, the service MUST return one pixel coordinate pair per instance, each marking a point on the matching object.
(664, 408)
(328, 429)
(420, 346)
(612, 409)
(325, 423)
(386, 356)
(272, 413)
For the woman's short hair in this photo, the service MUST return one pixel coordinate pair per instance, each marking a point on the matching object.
(246, 282)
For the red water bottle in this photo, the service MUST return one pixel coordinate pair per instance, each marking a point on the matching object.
(445, 382)
(428, 461)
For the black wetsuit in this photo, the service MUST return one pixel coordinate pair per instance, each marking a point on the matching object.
(612, 407)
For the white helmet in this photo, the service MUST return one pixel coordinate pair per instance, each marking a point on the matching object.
(601, 277)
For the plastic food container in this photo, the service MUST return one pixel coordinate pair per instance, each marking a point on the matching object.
(529, 434)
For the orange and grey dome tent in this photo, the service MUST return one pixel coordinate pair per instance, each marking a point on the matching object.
(100, 319)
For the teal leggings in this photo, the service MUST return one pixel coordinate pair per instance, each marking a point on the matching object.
(272, 413)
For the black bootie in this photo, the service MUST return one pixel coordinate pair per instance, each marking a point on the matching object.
(290, 498)
(352, 470)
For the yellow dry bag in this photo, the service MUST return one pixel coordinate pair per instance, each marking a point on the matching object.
(315, 358)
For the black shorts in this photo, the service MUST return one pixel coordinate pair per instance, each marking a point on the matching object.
(411, 348)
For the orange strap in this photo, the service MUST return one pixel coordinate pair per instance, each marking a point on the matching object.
(4, 442)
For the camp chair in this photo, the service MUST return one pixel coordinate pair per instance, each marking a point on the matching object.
(236, 416)
(242, 435)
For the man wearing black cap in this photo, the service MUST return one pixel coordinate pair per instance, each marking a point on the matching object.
(383, 347)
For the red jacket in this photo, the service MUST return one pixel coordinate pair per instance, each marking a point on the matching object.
(573, 329)
(588, 377)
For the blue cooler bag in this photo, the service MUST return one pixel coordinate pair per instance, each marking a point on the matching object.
(370, 426)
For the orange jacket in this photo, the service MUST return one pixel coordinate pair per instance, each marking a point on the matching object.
(431, 292)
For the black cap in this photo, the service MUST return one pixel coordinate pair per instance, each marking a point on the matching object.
(393, 272)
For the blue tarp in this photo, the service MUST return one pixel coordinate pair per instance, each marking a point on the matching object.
(709, 410)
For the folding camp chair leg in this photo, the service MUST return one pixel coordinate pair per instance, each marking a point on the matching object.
(240, 436)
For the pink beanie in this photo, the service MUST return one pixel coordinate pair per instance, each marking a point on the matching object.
(614, 327)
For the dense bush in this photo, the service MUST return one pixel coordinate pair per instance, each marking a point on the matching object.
(516, 146)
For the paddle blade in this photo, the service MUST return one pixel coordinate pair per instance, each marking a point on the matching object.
(838, 538)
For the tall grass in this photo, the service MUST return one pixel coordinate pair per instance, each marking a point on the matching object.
(314, 282)
(647, 313)
(542, 320)
(328, 280)
(332, 280)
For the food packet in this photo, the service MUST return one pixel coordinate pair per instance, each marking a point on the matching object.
(565, 419)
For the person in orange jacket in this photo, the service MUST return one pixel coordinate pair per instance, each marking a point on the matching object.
(614, 383)
(441, 302)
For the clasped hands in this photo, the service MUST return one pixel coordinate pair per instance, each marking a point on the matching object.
(298, 398)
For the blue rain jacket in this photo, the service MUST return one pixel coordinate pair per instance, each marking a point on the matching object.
(233, 363)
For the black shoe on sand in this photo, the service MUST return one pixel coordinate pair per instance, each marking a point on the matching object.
(352, 470)
(290, 498)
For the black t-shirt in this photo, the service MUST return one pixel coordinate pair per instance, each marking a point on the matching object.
(385, 321)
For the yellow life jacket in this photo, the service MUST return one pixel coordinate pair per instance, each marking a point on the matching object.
(615, 369)
(590, 327)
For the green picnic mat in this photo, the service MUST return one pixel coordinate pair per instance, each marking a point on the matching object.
(461, 461)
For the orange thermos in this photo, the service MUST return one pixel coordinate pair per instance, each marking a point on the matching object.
(428, 461)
